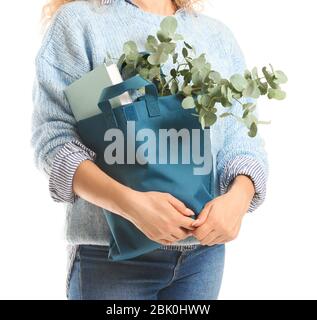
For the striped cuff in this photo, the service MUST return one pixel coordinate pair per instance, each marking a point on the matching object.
(64, 166)
(249, 166)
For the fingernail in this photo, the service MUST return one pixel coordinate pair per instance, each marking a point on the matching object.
(195, 222)
(189, 212)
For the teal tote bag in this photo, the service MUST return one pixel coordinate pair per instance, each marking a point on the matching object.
(151, 168)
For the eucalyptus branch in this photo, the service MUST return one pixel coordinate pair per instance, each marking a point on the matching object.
(200, 79)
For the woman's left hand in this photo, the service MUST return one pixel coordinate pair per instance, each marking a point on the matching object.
(221, 218)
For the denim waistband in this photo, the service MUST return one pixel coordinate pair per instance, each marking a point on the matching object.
(179, 247)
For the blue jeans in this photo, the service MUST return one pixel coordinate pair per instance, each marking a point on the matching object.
(171, 274)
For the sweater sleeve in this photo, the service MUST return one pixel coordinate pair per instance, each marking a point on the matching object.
(65, 164)
(61, 59)
(241, 154)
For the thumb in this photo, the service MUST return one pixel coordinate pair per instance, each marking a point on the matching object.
(202, 217)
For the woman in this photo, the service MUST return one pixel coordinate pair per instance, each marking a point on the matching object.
(189, 264)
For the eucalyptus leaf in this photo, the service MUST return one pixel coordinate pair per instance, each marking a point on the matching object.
(229, 95)
(224, 101)
(210, 118)
(189, 63)
(169, 24)
(183, 72)
(187, 90)
(245, 113)
(175, 56)
(151, 44)
(247, 74)
(263, 87)
(196, 78)
(200, 61)
(276, 94)
(253, 130)
(281, 77)
(163, 36)
(254, 73)
(205, 100)
(225, 114)
(248, 105)
(188, 77)
(269, 78)
(130, 47)
(159, 57)
(187, 45)
(144, 72)
(154, 59)
(224, 91)
(215, 76)
(251, 90)
(237, 95)
(167, 47)
(174, 87)
(173, 73)
(215, 91)
(188, 102)
(238, 82)
(185, 52)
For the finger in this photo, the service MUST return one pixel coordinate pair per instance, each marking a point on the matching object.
(218, 240)
(170, 237)
(202, 231)
(186, 223)
(211, 237)
(164, 241)
(181, 234)
(181, 220)
(221, 240)
(180, 206)
(202, 217)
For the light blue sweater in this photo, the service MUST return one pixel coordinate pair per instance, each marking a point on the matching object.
(76, 41)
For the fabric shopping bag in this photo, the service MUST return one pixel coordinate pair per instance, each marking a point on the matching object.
(149, 115)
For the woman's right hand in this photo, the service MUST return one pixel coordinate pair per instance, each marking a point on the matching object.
(160, 216)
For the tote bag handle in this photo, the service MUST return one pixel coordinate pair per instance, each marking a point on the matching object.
(135, 82)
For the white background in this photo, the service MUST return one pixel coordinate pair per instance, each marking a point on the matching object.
(274, 256)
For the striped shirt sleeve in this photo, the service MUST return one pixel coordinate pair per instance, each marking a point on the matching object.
(65, 163)
(251, 167)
